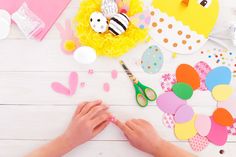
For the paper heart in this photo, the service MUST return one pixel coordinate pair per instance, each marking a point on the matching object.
(61, 89)
(198, 143)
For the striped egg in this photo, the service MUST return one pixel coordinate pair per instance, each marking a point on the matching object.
(118, 24)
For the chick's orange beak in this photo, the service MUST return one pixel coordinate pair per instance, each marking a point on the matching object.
(185, 2)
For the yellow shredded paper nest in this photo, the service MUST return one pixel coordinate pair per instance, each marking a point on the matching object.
(107, 44)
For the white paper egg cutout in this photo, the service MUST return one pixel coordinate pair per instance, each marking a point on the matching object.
(85, 55)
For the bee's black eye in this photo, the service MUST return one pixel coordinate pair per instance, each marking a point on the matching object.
(204, 3)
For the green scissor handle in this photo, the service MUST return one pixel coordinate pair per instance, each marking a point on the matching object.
(148, 92)
(140, 97)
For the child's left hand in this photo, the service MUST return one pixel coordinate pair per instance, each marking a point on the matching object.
(89, 120)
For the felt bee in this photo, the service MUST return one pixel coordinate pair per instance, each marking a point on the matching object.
(118, 24)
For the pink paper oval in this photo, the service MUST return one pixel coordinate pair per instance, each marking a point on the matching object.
(184, 114)
(218, 134)
(169, 103)
(203, 125)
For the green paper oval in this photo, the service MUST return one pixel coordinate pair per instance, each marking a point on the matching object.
(183, 90)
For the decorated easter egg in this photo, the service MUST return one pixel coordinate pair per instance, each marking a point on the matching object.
(118, 24)
(219, 75)
(109, 8)
(167, 81)
(198, 143)
(168, 120)
(203, 125)
(141, 20)
(183, 90)
(223, 117)
(184, 114)
(169, 103)
(222, 92)
(5, 23)
(98, 22)
(203, 69)
(218, 134)
(232, 129)
(85, 55)
(152, 60)
(185, 131)
(187, 74)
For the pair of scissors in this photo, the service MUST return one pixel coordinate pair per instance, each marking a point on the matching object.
(143, 93)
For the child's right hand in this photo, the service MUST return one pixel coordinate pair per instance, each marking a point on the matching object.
(89, 120)
(141, 134)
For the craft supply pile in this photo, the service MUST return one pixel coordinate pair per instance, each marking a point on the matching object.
(113, 27)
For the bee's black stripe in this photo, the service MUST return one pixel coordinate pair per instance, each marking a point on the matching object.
(125, 16)
(118, 22)
(113, 31)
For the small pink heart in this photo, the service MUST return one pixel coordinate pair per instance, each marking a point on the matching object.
(61, 89)
(114, 74)
(106, 87)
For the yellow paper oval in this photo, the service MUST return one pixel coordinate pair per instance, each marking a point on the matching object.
(185, 131)
(222, 92)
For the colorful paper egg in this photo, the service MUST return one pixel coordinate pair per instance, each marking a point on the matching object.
(198, 143)
(218, 134)
(222, 92)
(223, 117)
(203, 69)
(118, 24)
(167, 81)
(203, 125)
(184, 114)
(183, 90)
(185, 131)
(152, 60)
(98, 22)
(187, 74)
(109, 8)
(169, 103)
(5, 24)
(85, 55)
(219, 75)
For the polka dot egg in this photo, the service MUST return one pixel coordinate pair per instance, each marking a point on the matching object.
(98, 22)
(152, 60)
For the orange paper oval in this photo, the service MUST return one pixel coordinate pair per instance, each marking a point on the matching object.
(223, 117)
(187, 74)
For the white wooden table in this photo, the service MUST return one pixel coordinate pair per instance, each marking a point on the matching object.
(31, 114)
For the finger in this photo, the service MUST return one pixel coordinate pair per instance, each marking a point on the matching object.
(100, 119)
(89, 106)
(79, 108)
(127, 131)
(96, 110)
(131, 125)
(100, 128)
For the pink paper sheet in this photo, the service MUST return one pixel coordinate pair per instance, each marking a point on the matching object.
(47, 10)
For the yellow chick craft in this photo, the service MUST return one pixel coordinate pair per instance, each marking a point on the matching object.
(183, 26)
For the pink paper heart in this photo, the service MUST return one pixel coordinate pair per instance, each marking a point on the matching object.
(61, 89)
(73, 82)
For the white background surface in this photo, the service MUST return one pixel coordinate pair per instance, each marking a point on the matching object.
(32, 114)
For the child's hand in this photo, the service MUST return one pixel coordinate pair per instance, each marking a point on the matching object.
(89, 120)
(141, 135)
